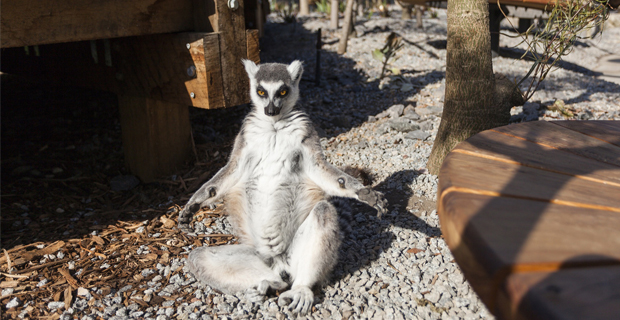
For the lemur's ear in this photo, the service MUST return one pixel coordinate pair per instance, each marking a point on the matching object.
(250, 67)
(295, 69)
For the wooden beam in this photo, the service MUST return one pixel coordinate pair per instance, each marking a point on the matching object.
(32, 22)
(156, 136)
(233, 47)
(171, 67)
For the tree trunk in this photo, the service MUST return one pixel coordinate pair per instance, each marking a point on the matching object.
(304, 8)
(346, 28)
(474, 101)
(333, 23)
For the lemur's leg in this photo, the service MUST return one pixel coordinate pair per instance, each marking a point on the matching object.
(313, 254)
(234, 268)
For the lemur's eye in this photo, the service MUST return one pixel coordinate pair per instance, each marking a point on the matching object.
(282, 92)
(261, 93)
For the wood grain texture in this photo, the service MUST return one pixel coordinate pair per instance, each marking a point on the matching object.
(526, 203)
(31, 22)
(565, 139)
(500, 147)
(607, 131)
(253, 46)
(590, 293)
(233, 48)
(156, 136)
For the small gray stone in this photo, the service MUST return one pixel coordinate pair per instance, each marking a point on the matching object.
(433, 296)
(396, 111)
(14, 303)
(428, 110)
(403, 125)
(417, 135)
(55, 305)
(123, 183)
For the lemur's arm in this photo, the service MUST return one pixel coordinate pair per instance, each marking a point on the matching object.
(214, 189)
(335, 182)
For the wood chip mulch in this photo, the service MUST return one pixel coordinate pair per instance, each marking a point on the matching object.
(64, 230)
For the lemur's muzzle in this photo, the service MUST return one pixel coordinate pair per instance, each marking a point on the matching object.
(271, 110)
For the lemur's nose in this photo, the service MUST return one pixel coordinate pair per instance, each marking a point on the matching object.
(272, 110)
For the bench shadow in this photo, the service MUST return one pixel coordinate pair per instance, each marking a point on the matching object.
(504, 278)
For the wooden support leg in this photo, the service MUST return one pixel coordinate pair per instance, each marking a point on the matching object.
(156, 136)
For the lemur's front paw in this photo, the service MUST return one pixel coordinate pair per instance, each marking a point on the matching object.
(275, 239)
(374, 199)
(299, 300)
(185, 216)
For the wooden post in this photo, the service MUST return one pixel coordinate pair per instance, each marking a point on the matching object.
(333, 22)
(156, 136)
(346, 28)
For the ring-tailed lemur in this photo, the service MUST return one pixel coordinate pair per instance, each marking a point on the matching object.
(275, 187)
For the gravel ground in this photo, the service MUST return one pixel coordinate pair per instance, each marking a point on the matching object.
(398, 267)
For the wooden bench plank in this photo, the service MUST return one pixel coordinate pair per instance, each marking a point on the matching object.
(32, 22)
(583, 293)
(503, 147)
(495, 177)
(509, 231)
(545, 133)
(608, 131)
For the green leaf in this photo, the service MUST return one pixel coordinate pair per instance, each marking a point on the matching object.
(377, 54)
(395, 71)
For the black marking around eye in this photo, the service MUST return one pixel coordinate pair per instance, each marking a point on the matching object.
(283, 88)
(260, 88)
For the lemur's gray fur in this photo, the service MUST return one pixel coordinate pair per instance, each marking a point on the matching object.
(275, 187)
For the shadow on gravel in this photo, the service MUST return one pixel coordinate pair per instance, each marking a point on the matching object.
(346, 95)
(365, 236)
(517, 53)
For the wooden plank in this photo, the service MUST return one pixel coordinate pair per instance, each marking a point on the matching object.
(233, 48)
(154, 66)
(31, 22)
(156, 136)
(213, 69)
(253, 46)
(502, 147)
(584, 293)
(608, 131)
(513, 231)
(491, 237)
(545, 133)
(506, 179)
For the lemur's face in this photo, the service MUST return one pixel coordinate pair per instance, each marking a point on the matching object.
(273, 96)
(274, 87)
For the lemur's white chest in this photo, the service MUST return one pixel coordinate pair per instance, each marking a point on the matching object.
(273, 155)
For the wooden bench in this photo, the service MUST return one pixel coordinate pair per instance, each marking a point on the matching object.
(531, 213)
(159, 56)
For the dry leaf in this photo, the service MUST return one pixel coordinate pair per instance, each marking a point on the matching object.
(414, 250)
(98, 240)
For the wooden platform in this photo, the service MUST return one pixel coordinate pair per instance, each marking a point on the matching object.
(532, 214)
(159, 56)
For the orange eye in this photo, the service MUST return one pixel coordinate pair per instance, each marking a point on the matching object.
(261, 93)
(283, 92)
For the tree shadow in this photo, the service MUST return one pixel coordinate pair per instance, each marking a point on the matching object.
(540, 197)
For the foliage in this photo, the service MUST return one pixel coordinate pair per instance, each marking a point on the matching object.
(548, 44)
(286, 12)
(324, 6)
(393, 43)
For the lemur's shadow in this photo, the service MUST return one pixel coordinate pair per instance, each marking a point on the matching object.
(365, 236)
